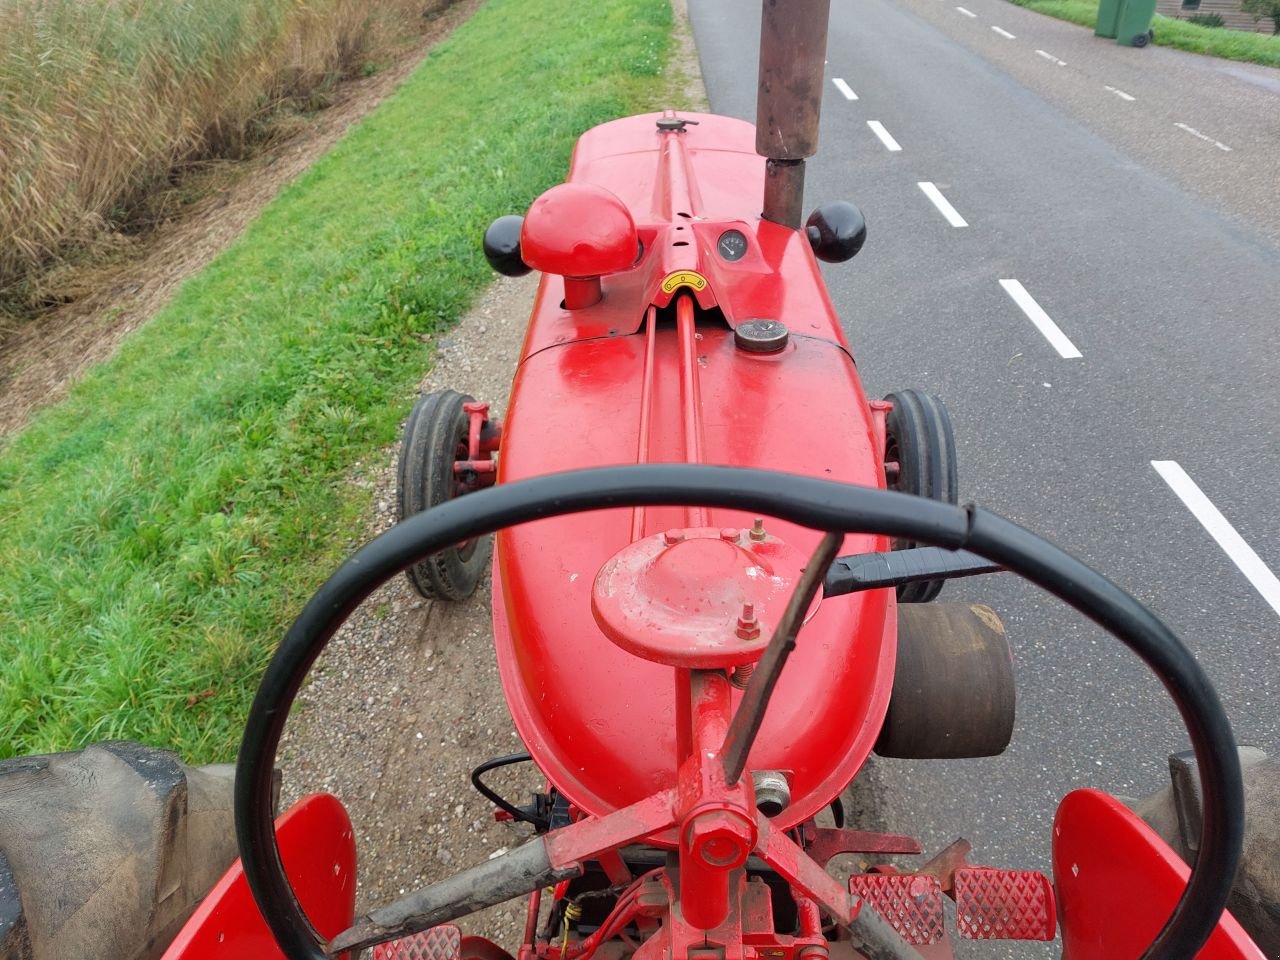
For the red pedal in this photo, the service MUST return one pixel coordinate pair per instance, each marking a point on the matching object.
(1005, 905)
(910, 903)
(439, 943)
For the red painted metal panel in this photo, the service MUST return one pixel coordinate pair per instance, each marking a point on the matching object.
(1117, 882)
(599, 721)
(318, 847)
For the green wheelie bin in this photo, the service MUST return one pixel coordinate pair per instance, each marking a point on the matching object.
(1133, 25)
(1108, 18)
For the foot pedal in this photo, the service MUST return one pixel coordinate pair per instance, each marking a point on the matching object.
(439, 943)
(1005, 905)
(910, 903)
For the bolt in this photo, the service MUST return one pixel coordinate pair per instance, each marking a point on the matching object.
(773, 791)
(672, 537)
(757, 530)
(748, 626)
(880, 405)
(729, 533)
(721, 838)
(742, 675)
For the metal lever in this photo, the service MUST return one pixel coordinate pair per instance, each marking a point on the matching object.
(746, 722)
(870, 571)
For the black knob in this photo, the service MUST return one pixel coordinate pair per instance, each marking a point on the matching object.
(836, 231)
(502, 246)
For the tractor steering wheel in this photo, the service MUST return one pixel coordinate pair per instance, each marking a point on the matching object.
(818, 504)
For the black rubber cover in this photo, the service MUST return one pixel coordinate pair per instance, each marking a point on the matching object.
(836, 231)
(501, 246)
(869, 571)
(820, 504)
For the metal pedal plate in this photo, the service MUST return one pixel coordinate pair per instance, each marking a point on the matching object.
(439, 943)
(910, 903)
(1005, 905)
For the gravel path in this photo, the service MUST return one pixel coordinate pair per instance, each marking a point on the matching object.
(406, 701)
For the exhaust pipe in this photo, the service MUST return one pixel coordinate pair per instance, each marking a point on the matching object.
(793, 50)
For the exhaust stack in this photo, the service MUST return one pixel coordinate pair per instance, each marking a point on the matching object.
(793, 50)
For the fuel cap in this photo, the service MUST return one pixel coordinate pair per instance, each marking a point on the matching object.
(761, 336)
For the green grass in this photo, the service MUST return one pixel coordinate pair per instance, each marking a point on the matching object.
(1211, 41)
(160, 528)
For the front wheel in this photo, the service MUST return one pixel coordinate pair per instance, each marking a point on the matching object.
(920, 459)
(435, 438)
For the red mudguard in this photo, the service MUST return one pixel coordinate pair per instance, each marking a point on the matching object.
(318, 847)
(1117, 882)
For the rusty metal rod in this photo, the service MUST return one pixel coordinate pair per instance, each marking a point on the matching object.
(746, 722)
(793, 50)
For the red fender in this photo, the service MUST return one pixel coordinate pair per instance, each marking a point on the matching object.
(1117, 882)
(318, 847)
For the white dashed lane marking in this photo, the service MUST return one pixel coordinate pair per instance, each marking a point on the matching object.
(1051, 58)
(944, 206)
(1203, 136)
(844, 88)
(1121, 94)
(878, 129)
(967, 13)
(1035, 313)
(1218, 527)
(1004, 33)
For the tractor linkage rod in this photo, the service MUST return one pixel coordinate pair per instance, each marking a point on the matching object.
(746, 722)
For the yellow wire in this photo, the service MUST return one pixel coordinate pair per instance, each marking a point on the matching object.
(572, 912)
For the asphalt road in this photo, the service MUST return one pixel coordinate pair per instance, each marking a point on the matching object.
(1154, 251)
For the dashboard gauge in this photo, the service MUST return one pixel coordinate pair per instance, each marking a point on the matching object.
(732, 245)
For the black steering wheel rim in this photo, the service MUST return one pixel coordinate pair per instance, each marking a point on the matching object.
(818, 504)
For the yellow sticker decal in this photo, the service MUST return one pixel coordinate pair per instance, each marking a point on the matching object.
(684, 278)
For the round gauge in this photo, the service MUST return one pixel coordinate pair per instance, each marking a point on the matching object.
(732, 245)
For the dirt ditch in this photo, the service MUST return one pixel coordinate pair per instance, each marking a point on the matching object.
(110, 298)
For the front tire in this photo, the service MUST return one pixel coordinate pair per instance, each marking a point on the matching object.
(919, 438)
(435, 437)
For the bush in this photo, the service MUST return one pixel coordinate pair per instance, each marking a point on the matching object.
(100, 99)
(1205, 19)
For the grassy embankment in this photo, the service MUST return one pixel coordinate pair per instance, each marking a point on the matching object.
(160, 528)
(1212, 41)
(101, 99)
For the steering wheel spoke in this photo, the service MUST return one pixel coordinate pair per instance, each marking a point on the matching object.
(521, 871)
(541, 862)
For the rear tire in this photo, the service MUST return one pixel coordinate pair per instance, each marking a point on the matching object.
(435, 437)
(918, 436)
(105, 852)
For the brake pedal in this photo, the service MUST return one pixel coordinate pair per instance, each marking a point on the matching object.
(1005, 904)
(910, 903)
(439, 943)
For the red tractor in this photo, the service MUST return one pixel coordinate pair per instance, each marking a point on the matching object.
(711, 569)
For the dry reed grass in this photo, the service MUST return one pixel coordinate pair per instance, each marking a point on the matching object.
(101, 99)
